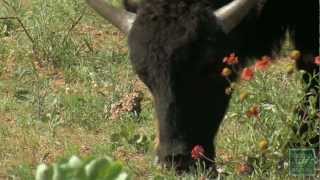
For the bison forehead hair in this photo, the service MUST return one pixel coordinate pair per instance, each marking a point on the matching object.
(174, 31)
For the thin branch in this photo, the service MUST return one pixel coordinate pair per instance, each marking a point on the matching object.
(21, 24)
(74, 25)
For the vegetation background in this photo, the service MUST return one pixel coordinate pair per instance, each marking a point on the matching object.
(67, 88)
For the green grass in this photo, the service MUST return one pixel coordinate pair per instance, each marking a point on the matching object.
(58, 85)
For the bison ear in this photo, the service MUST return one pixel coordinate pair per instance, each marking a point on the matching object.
(230, 15)
(122, 19)
(131, 5)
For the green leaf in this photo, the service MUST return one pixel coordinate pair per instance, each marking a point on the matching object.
(43, 172)
(112, 172)
(94, 167)
(75, 162)
(57, 173)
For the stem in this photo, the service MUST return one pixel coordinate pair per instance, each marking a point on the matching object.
(74, 25)
(21, 24)
(207, 158)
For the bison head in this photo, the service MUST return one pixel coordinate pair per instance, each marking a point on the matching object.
(175, 47)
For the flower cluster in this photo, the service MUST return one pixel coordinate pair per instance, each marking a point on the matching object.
(254, 111)
(247, 73)
(230, 61)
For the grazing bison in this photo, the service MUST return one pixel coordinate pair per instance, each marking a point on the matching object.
(177, 46)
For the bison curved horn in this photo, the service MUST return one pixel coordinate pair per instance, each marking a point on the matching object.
(231, 14)
(131, 6)
(120, 18)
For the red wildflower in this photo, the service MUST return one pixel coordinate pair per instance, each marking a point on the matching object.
(231, 59)
(317, 60)
(247, 74)
(254, 111)
(197, 152)
(263, 63)
(244, 168)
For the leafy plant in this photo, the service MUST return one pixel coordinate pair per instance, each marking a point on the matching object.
(75, 168)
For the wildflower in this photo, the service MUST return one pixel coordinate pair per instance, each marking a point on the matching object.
(263, 64)
(228, 91)
(247, 74)
(244, 168)
(295, 55)
(243, 96)
(197, 152)
(317, 60)
(290, 69)
(226, 72)
(254, 111)
(263, 145)
(231, 59)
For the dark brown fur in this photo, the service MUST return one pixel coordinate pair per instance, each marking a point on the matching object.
(177, 47)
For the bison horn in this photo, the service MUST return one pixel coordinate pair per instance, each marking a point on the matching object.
(231, 14)
(120, 18)
(131, 5)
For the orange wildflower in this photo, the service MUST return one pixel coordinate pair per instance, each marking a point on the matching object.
(247, 74)
(231, 59)
(263, 64)
(254, 111)
(317, 60)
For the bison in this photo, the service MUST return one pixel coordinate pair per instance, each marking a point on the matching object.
(177, 46)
